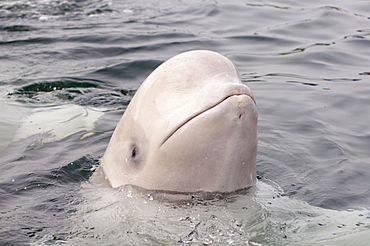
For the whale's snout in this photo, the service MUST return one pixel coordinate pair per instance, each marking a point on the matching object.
(241, 105)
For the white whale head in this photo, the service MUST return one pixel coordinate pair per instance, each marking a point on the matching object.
(191, 126)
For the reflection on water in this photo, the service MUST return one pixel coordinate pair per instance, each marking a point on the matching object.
(307, 64)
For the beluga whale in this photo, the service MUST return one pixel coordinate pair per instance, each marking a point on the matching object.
(191, 126)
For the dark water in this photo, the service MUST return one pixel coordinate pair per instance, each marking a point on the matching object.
(308, 64)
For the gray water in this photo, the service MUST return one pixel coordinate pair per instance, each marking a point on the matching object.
(68, 69)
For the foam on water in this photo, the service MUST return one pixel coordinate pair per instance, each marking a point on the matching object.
(259, 216)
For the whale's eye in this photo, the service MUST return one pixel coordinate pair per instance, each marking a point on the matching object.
(134, 152)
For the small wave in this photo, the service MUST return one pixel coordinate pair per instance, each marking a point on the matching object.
(53, 9)
(83, 92)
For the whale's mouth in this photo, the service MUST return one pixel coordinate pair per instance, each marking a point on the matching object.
(202, 112)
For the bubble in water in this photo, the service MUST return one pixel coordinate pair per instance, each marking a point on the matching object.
(129, 194)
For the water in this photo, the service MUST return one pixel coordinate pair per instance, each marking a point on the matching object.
(306, 62)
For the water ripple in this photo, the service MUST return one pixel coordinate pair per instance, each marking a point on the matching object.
(306, 62)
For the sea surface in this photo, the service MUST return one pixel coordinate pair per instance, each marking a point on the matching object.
(68, 70)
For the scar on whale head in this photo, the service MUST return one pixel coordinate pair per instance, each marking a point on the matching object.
(191, 126)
